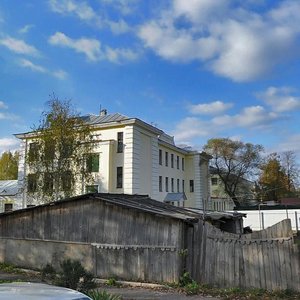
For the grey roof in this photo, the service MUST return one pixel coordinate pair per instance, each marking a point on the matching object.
(175, 197)
(97, 119)
(8, 187)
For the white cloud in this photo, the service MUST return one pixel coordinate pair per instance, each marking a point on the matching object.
(8, 116)
(280, 99)
(212, 108)
(125, 7)
(26, 28)
(19, 46)
(92, 49)
(3, 105)
(9, 144)
(79, 8)
(190, 128)
(250, 117)
(291, 143)
(229, 40)
(25, 63)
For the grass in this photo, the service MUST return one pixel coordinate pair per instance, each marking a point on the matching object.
(8, 268)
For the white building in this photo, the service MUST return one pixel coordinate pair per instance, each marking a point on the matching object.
(10, 196)
(133, 157)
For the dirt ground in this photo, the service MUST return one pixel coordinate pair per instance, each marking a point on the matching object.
(127, 293)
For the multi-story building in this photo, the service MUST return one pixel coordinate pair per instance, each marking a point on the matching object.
(134, 157)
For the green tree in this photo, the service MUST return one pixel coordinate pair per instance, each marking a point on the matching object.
(57, 153)
(9, 165)
(234, 161)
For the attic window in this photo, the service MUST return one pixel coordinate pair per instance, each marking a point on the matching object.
(8, 207)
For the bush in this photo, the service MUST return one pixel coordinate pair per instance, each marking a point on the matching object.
(103, 295)
(74, 276)
(185, 279)
(48, 273)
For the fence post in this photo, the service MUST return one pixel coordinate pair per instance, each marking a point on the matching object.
(262, 220)
(296, 219)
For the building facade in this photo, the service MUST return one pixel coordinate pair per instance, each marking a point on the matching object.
(133, 157)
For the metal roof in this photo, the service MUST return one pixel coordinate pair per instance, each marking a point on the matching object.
(98, 119)
(175, 197)
(8, 187)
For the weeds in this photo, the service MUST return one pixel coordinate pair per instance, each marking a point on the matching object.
(103, 295)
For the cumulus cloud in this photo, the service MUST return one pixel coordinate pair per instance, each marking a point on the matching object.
(229, 40)
(11, 144)
(92, 49)
(212, 108)
(190, 128)
(19, 46)
(291, 143)
(25, 63)
(249, 117)
(280, 99)
(125, 7)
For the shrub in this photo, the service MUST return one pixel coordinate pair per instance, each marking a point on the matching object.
(48, 273)
(74, 276)
(103, 295)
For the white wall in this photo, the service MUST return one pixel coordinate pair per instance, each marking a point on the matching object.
(270, 217)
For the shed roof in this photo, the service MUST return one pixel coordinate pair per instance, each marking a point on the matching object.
(8, 187)
(142, 203)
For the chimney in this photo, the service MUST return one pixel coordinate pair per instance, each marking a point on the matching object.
(103, 112)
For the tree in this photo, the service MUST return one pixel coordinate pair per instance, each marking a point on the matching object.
(234, 161)
(58, 152)
(9, 165)
(278, 177)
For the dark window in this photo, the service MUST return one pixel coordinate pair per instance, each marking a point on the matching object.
(167, 159)
(119, 177)
(31, 183)
(8, 207)
(177, 162)
(182, 164)
(160, 183)
(66, 149)
(191, 186)
(172, 185)
(92, 162)
(172, 160)
(50, 149)
(167, 184)
(160, 157)
(91, 188)
(120, 142)
(66, 180)
(214, 181)
(48, 183)
(33, 151)
(183, 186)
(178, 183)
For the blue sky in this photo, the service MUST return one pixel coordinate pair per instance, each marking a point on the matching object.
(195, 68)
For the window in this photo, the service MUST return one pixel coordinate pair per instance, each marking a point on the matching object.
(67, 148)
(167, 184)
(31, 183)
(214, 181)
(91, 188)
(8, 207)
(160, 183)
(48, 183)
(191, 186)
(92, 162)
(119, 177)
(178, 185)
(66, 180)
(172, 185)
(177, 162)
(182, 163)
(167, 158)
(33, 151)
(183, 186)
(49, 149)
(172, 160)
(160, 157)
(120, 142)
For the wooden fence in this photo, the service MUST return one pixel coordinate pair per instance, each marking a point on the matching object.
(268, 259)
